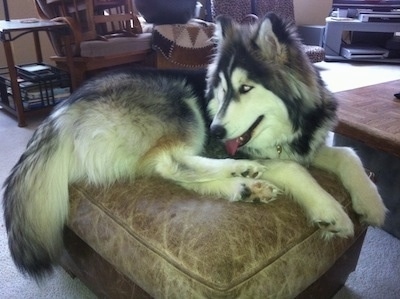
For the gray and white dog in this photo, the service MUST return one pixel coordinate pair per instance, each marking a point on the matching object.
(264, 99)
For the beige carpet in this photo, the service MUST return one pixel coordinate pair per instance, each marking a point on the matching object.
(377, 274)
(12, 284)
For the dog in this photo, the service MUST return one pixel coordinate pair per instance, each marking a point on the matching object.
(260, 97)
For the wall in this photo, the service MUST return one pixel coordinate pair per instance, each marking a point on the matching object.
(312, 12)
(306, 11)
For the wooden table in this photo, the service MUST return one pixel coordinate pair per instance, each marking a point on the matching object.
(12, 30)
(369, 122)
(371, 115)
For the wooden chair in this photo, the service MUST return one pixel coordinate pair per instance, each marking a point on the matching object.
(104, 34)
(240, 10)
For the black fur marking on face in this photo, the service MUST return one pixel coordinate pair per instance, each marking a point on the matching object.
(310, 123)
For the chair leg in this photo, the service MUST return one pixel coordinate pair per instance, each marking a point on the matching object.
(78, 76)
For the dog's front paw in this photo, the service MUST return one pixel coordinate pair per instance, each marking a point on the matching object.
(369, 205)
(333, 221)
(248, 169)
(258, 191)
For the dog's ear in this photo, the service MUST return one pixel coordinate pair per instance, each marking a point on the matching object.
(271, 37)
(225, 27)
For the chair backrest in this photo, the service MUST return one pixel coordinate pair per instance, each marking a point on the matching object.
(89, 20)
(283, 8)
(239, 9)
(94, 17)
(112, 17)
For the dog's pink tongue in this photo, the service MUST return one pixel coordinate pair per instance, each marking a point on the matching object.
(231, 146)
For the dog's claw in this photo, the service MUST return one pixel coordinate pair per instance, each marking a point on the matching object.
(332, 228)
(248, 170)
(324, 224)
(245, 174)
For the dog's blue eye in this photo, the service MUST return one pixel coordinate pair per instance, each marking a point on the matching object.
(245, 88)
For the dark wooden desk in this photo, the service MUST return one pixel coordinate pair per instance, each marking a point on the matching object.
(369, 122)
(12, 30)
(371, 115)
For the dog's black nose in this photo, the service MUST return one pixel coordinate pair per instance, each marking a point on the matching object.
(218, 131)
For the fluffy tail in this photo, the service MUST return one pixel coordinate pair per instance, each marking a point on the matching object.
(36, 202)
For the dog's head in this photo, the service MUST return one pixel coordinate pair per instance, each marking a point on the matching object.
(259, 84)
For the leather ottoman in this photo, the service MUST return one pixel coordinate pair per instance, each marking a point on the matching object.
(153, 239)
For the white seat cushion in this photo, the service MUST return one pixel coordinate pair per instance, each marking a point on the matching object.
(116, 45)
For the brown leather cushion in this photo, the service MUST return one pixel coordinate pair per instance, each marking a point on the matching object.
(174, 243)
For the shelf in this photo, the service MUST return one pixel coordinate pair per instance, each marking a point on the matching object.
(332, 58)
(40, 86)
(333, 38)
(11, 92)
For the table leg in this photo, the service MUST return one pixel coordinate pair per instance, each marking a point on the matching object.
(70, 62)
(38, 49)
(16, 92)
